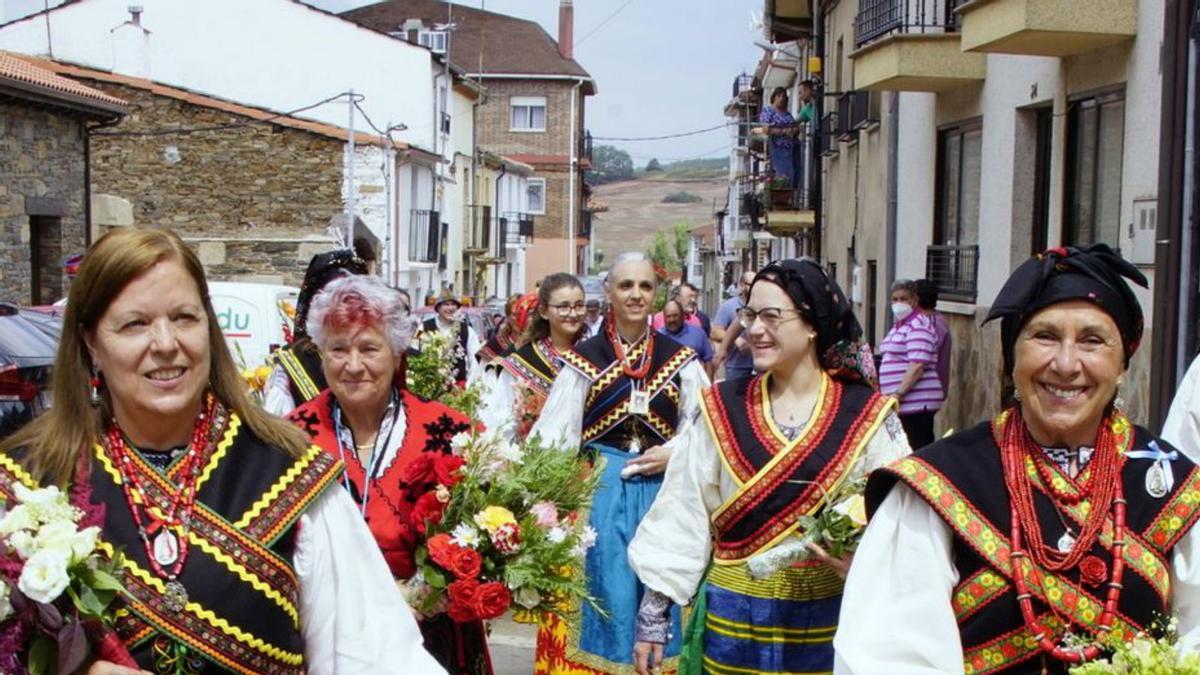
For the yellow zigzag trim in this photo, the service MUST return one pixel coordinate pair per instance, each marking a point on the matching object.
(231, 431)
(10, 465)
(280, 485)
(208, 616)
(98, 451)
(246, 576)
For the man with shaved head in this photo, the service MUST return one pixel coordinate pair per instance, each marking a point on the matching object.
(620, 398)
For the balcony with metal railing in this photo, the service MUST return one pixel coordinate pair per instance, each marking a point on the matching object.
(911, 45)
(519, 228)
(1045, 27)
(486, 235)
(424, 236)
(786, 193)
(954, 270)
(585, 147)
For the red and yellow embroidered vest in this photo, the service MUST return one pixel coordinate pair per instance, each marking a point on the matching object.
(242, 614)
(429, 427)
(961, 477)
(302, 364)
(781, 480)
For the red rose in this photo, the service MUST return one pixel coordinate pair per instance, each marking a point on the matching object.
(447, 469)
(462, 593)
(491, 601)
(464, 563)
(1092, 571)
(420, 471)
(441, 548)
(427, 510)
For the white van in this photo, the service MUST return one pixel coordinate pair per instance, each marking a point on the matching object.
(253, 316)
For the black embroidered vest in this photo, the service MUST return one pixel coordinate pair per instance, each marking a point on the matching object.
(302, 363)
(606, 417)
(961, 478)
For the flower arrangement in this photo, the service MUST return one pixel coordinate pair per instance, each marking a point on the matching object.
(56, 588)
(429, 372)
(502, 525)
(837, 527)
(255, 378)
(1144, 655)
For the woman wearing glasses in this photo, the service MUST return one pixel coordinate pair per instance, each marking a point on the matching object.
(770, 446)
(518, 389)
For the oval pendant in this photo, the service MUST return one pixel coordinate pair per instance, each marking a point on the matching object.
(166, 548)
(1156, 481)
(1066, 542)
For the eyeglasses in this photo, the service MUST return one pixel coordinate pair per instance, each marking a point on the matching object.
(567, 309)
(771, 316)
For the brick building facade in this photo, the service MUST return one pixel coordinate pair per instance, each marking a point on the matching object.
(43, 189)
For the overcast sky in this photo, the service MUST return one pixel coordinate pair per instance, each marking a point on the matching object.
(661, 66)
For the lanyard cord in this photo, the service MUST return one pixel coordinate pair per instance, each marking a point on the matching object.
(371, 468)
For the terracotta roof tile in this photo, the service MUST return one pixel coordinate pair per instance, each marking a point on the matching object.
(65, 71)
(14, 67)
(507, 45)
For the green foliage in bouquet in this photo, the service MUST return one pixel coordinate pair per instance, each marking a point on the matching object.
(1146, 654)
(838, 526)
(430, 371)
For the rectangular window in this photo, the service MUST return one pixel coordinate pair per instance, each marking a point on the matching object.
(435, 40)
(536, 191)
(1095, 148)
(956, 215)
(528, 113)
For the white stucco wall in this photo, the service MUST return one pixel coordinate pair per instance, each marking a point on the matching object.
(275, 54)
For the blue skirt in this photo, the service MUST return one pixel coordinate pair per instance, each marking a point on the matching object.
(606, 643)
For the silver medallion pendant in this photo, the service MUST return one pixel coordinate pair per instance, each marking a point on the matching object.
(175, 596)
(166, 548)
(1156, 481)
(635, 446)
(639, 402)
(1066, 542)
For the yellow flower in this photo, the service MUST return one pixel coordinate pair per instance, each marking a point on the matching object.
(493, 517)
(262, 373)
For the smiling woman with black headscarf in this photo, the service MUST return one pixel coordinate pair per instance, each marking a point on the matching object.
(1020, 545)
(768, 449)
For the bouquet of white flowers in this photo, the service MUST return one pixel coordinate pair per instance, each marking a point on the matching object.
(55, 587)
(1144, 655)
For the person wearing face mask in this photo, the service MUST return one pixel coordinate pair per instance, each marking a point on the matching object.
(909, 367)
(766, 451)
(1031, 541)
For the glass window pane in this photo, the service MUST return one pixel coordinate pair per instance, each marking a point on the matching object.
(972, 150)
(519, 117)
(1108, 174)
(537, 117)
(1084, 164)
(951, 156)
(536, 196)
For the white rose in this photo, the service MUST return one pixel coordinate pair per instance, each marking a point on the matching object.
(5, 604)
(44, 577)
(19, 518)
(23, 543)
(83, 544)
(56, 536)
(527, 597)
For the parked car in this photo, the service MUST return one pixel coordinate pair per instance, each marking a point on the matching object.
(28, 343)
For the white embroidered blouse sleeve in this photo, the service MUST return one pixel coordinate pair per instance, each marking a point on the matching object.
(887, 445)
(354, 619)
(1185, 590)
(903, 570)
(672, 546)
(692, 381)
(561, 420)
(1182, 428)
(497, 409)
(278, 400)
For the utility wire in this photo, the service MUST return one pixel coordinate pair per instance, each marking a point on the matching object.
(601, 24)
(223, 127)
(661, 138)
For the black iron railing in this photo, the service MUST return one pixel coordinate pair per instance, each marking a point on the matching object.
(879, 18)
(954, 269)
(782, 193)
(742, 83)
(585, 146)
(520, 227)
(424, 236)
(853, 113)
(445, 122)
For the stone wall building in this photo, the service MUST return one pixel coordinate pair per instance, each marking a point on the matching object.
(252, 190)
(43, 176)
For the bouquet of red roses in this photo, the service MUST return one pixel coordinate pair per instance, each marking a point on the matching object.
(55, 586)
(503, 527)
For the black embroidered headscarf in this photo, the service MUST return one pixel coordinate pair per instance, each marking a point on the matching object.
(1094, 274)
(824, 306)
(322, 269)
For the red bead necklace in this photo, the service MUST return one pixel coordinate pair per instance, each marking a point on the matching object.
(643, 366)
(1105, 482)
(167, 551)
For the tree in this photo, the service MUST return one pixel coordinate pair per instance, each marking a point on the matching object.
(683, 233)
(610, 164)
(653, 165)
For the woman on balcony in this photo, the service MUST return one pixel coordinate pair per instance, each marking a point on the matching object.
(781, 130)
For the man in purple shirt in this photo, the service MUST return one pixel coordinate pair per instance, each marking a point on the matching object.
(686, 334)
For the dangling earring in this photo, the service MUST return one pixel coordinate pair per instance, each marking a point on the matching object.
(1016, 395)
(1119, 400)
(95, 382)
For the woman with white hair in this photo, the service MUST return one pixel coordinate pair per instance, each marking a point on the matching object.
(370, 422)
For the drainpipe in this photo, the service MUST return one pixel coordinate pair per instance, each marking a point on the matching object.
(817, 184)
(87, 176)
(893, 192)
(574, 169)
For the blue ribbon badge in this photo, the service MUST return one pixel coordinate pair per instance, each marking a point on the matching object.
(1159, 477)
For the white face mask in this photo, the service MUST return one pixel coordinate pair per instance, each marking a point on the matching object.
(901, 310)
